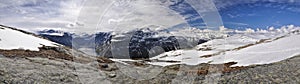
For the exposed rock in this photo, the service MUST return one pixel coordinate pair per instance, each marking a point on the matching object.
(104, 66)
(44, 70)
(45, 52)
(104, 60)
(112, 75)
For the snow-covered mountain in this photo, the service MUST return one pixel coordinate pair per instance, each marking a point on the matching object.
(153, 40)
(84, 42)
(11, 38)
(139, 44)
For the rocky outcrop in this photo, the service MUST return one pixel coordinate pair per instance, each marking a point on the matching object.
(44, 52)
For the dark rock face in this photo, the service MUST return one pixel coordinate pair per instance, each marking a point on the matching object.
(103, 38)
(202, 41)
(142, 43)
(103, 44)
(65, 39)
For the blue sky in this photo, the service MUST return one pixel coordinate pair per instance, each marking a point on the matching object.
(239, 14)
(261, 14)
(235, 14)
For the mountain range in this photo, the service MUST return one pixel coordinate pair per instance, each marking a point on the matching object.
(134, 44)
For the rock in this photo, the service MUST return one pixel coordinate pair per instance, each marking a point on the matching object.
(104, 66)
(104, 60)
(112, 75)
(202, 41)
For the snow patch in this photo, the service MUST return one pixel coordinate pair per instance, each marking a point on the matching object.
(53, 34)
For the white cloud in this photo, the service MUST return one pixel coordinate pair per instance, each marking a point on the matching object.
(237, 23)
(33, 14)
(115, 15)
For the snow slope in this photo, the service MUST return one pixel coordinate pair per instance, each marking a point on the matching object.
(13, 39)
(229, 50)
(263, 53)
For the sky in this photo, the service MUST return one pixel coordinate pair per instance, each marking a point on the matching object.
(124, 15)
(261, 14)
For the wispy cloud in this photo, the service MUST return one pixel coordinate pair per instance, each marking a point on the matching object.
(277, 23)
(236, 23)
